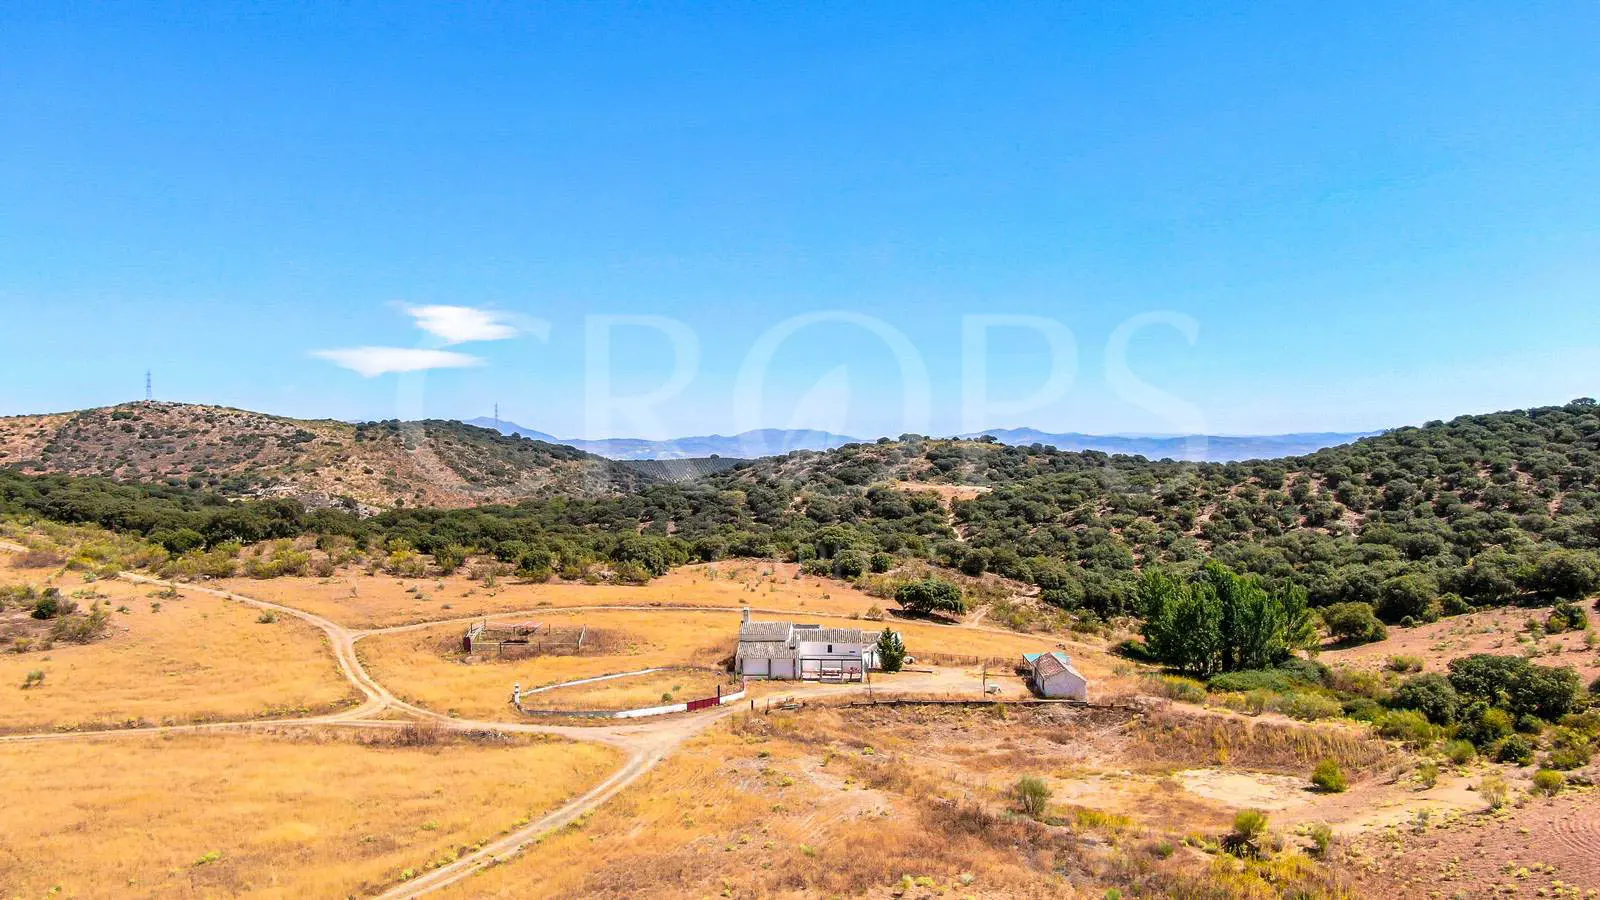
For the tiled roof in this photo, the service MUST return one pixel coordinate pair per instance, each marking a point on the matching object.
(833, 635)
(764, 631)
(1053, 663)
(766, 650)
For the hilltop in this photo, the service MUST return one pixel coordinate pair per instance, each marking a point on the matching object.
(319, 462)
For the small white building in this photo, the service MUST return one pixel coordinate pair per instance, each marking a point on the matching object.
(1052, 675)
(786, 650)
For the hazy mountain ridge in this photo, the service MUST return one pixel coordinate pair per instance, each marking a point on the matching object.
(777, 441)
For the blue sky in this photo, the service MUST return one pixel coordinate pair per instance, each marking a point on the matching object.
(1365, 214)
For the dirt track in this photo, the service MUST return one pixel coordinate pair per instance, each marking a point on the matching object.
(646, 743)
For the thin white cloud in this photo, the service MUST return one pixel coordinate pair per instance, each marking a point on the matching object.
(372, 361)
(459, 324)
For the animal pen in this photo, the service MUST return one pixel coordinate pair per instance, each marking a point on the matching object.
(509, 640)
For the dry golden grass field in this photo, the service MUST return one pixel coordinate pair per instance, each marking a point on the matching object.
(635, 691)
(358, 600)
(423, 667)
(297, 814)
(166, 659)
(852, 802)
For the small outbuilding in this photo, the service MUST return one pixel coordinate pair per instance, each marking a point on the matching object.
(1052, 675)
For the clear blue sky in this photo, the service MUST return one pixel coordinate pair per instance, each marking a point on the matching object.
(1373, 213)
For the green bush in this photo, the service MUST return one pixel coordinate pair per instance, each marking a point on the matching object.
(1493, 789)
(1460, 752)
(1566, 616)
(1402, 663)
(930, 595)
(1175, 687)
(1548, 782)
(1484, 725)
(1308, 707)
(1431, 695)
(1032, 796)
(51, 604)
(1408, 725)
(1250, 823)
(1273, 680)
(1364, 709)
(1514, 749)
(1353, 623)
(1329, 777)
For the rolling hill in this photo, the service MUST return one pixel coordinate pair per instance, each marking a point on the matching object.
(319, 462)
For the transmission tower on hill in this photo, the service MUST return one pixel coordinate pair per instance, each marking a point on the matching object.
(149, 394)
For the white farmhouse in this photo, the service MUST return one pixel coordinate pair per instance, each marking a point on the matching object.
(786, 650)
(1052, 675)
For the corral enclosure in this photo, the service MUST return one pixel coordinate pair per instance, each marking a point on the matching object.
(517, 640)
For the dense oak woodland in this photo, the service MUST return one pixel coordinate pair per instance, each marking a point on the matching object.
(1481, 510)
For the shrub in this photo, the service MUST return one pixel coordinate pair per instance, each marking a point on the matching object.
(1402, 663)
(1321, 838)
(1431, 695)
(1569, 749)
(1515, 683)
(1494, 790)
(1428, 774)
(1407, 725)
(267, 617)
(1329, 777)
(1548, 782)
(1032, 796)
(1248, 827)
(1460, 752)
(1281, 680)
(930, 595)
(50, 604)
(1364, 709)
(449, 558)
(1566, 616)
(1353, 623)
(33, 679)
(1514, 749)
(1308, 707)
(1483, 725)
(1174, 687)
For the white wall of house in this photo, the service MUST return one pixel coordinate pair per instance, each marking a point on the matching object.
(1067, 684)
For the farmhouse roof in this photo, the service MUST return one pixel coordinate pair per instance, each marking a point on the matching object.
(767, 650)
(834, 635)
(764, 631)
(1047, 664)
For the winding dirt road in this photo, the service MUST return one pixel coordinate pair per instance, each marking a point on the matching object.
(646, 743)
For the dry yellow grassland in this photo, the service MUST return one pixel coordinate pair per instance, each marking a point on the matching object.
(358, 600)
(635, 691)
(265, 815)
(198, 658)
(420, 666)
(848, 803)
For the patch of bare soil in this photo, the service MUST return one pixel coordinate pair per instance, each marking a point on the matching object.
(1546, 848)
(1504, 631)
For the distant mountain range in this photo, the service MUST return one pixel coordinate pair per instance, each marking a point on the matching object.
(777, 441)
(1196, 448)
(746, 445)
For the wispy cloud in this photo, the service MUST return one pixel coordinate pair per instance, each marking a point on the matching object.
(372, 361)
(459, 324)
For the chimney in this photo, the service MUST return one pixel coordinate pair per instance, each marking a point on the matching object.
(747, 615)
